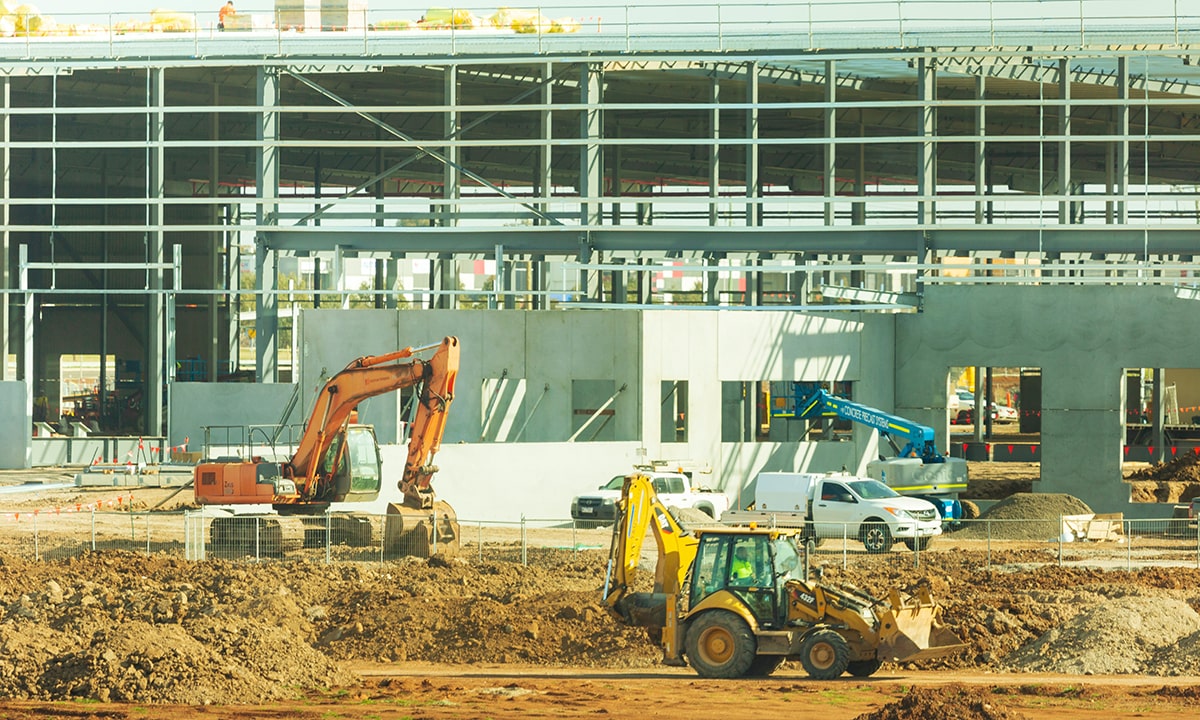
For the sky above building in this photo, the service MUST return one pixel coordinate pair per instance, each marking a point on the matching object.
(941, 12)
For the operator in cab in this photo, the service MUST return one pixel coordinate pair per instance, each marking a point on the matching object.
(741, 570)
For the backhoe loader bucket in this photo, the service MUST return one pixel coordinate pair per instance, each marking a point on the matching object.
(911, 631)
(420, 533)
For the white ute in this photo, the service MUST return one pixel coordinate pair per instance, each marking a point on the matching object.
(837, 505)
(674, 489)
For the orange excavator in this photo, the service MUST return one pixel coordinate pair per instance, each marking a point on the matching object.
(338, 461)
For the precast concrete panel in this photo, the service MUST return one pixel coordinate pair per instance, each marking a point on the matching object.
(16, 452)
(225, 408)
(679, 347)
(1082, 338)
(344, 336)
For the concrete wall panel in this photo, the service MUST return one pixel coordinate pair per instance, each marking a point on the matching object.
(1082, 338)
(503, 482)
(195, 405)
(16, 452)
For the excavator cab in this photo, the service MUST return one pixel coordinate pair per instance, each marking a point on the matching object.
(354, 465)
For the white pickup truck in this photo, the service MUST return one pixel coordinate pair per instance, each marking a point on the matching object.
(673, 489)
(837, 505)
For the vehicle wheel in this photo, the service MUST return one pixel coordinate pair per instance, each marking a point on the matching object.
(970, 511)
(720, 645)
(915, 544)
(863, 668)
(707, 511)
(824, 655)
(876, 537)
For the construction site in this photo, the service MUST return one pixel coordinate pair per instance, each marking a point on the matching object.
(352, 352)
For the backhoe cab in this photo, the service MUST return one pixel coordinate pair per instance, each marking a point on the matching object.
(734, 602)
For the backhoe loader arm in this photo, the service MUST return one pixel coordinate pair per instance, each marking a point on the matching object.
(638, 510)
(367, 377)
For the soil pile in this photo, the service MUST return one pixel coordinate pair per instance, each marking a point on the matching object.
(951, 702)
(1026, 516)
(1175, 481)
(1118, 636)
(125, 627)
(1182, 658)
(1184, 467)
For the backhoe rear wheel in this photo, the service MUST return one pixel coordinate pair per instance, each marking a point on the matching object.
(720, 645)
(824, 655)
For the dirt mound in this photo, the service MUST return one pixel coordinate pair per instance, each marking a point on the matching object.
(1026, 516)
(951, 702)
(1182, 468)
(128, 628)
(1116, 637)
(1182, 658)
(1175, 481)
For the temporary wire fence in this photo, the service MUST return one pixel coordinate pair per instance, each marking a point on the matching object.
(200, 535)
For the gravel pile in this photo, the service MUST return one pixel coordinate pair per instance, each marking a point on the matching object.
(1119, 636)
(1026, 516)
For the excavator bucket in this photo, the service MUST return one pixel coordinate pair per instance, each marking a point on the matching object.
(910, 630)
(421, 533)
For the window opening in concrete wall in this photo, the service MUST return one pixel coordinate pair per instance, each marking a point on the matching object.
(593, 409)
(503, 413)
(766, 411)
(81, 399)
(673, 411)
(742, 410)
(1004, 448)
(1176, 391)
(1161, 457)
(997, 388)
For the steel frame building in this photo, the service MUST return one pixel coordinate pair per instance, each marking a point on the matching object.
(825, 166)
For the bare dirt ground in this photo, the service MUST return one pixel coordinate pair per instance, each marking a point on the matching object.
(123, 635)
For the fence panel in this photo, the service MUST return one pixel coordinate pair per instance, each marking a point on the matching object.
(367, 538)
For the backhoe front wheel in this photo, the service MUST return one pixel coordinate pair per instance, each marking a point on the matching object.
(720, 645)
(824, 655)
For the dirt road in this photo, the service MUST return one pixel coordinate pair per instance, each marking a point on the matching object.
(434, 692)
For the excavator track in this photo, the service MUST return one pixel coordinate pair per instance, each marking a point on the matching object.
(256, 535)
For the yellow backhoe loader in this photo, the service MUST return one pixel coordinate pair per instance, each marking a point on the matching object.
(733, 602)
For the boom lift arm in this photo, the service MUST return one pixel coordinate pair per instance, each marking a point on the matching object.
(813, 402)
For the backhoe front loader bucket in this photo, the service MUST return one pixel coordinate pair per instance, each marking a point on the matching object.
(421, 533)
(910, 630)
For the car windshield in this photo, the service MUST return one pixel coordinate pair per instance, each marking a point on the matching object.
(871, 489)
(614, 484)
